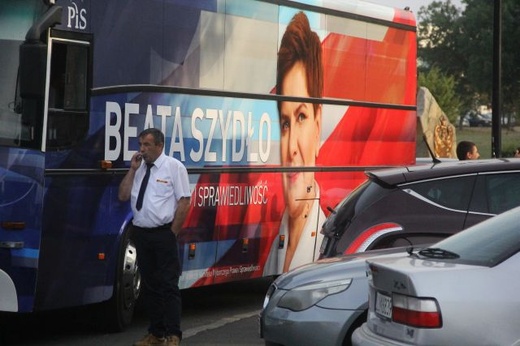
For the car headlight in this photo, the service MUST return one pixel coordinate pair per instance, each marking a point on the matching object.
(303, 297)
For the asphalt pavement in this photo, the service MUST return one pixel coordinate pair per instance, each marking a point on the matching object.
(243, 331)
(224, 314)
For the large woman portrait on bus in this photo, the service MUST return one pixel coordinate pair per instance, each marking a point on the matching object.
(300, 74)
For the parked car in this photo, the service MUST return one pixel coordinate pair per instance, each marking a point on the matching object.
(465, 120)
(480, 120)
(321, 303)
(422, 203)
(461, 291)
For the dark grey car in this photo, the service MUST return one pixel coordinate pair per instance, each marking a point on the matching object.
(420, 204)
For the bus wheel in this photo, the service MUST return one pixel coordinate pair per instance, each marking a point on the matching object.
(126, 287)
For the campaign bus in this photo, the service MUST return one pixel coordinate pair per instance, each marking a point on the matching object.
(80, 79)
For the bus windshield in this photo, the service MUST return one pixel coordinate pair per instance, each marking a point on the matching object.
(16, 17)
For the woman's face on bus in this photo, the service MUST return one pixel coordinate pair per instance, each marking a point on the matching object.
(300, 139)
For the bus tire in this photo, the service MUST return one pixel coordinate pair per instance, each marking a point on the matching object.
(127, 286)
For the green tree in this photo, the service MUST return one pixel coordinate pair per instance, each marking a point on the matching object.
(443, 88)
(476, 45)
(437, 35)
(460, 44)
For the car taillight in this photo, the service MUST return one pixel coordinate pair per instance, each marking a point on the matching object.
(416, 312)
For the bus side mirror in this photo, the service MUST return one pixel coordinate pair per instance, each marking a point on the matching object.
(33, 65)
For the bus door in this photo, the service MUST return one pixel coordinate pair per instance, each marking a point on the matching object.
(73, 189)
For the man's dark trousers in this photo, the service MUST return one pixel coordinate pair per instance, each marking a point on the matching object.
(158, 259)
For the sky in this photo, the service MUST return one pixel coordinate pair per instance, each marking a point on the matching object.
(414, 5)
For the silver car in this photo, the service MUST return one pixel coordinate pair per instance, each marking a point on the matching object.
(463, 290)
(320, 303)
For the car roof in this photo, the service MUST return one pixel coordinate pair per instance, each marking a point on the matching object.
(407, 174)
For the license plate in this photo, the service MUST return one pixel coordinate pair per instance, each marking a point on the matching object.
(383, 305)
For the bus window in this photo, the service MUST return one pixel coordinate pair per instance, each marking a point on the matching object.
(68, 93)
(16, 17)
(68, 81)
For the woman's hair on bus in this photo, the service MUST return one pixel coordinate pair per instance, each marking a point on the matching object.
(301, 44)
(158, 136)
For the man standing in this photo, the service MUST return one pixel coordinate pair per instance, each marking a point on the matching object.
(159, 190)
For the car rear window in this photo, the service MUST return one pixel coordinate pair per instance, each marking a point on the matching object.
(361, 198)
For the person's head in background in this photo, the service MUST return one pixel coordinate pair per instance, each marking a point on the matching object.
(299, 73)
(467, 150)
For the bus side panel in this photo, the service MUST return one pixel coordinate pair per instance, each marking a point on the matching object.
(225, 226)
(245, 223)
(231, 49)
(81, 225)
(21, 192)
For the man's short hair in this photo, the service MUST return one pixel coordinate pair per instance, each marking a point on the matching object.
(463, 148)
(158, 136)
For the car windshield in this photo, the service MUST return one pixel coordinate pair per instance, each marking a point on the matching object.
(487, 243)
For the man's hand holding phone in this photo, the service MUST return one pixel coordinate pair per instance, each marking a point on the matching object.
(136, 160)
